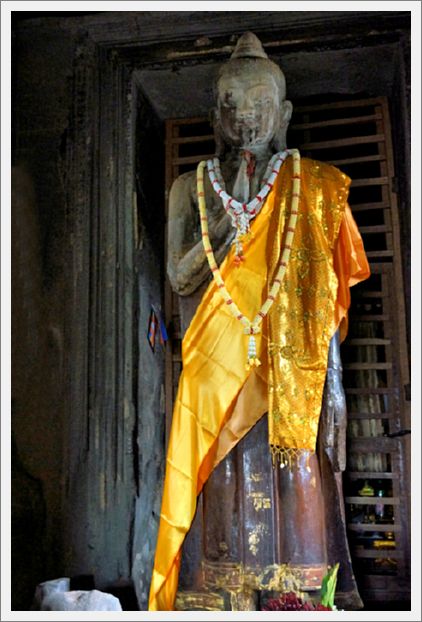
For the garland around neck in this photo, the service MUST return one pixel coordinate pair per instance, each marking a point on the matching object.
(242, 213)
(253, 327)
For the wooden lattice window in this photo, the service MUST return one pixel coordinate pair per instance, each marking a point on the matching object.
(355, 136)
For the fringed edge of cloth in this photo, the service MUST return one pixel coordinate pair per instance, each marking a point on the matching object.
(289, 456)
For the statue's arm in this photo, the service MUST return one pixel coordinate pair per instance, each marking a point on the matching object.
(334, 407)
(187, 264)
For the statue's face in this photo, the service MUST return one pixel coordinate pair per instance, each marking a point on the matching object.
(249, 108)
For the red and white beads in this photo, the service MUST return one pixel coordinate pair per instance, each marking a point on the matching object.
(254, 327)
(242, 213)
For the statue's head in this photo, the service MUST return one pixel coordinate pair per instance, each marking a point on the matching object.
(252, 111)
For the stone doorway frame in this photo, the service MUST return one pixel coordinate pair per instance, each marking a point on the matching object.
(101, 331)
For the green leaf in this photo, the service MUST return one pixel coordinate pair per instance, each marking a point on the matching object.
(328, 588)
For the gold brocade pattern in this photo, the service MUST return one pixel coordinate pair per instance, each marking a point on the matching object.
(277, 577)
(301, 324)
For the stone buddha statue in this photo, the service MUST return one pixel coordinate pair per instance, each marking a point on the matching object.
(257, 526)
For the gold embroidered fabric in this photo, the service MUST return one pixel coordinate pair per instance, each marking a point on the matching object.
(302, 320)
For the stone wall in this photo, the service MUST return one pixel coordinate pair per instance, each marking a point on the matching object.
(42, 74)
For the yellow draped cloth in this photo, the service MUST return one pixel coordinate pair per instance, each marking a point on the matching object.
(218, 400)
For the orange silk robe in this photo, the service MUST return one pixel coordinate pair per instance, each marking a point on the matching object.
(218, 400)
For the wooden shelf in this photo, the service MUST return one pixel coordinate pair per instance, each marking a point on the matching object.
(372, 501)
(373, 527)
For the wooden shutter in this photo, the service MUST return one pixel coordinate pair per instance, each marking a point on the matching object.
(355, 136)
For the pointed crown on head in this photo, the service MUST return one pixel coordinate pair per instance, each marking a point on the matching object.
(249, 46)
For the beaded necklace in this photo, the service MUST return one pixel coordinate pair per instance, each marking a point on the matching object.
(242, 213)
(253, 327)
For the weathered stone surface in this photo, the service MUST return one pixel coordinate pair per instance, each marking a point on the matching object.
(80, 600)
(165, 88)
(46, 589)
(151, 417)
